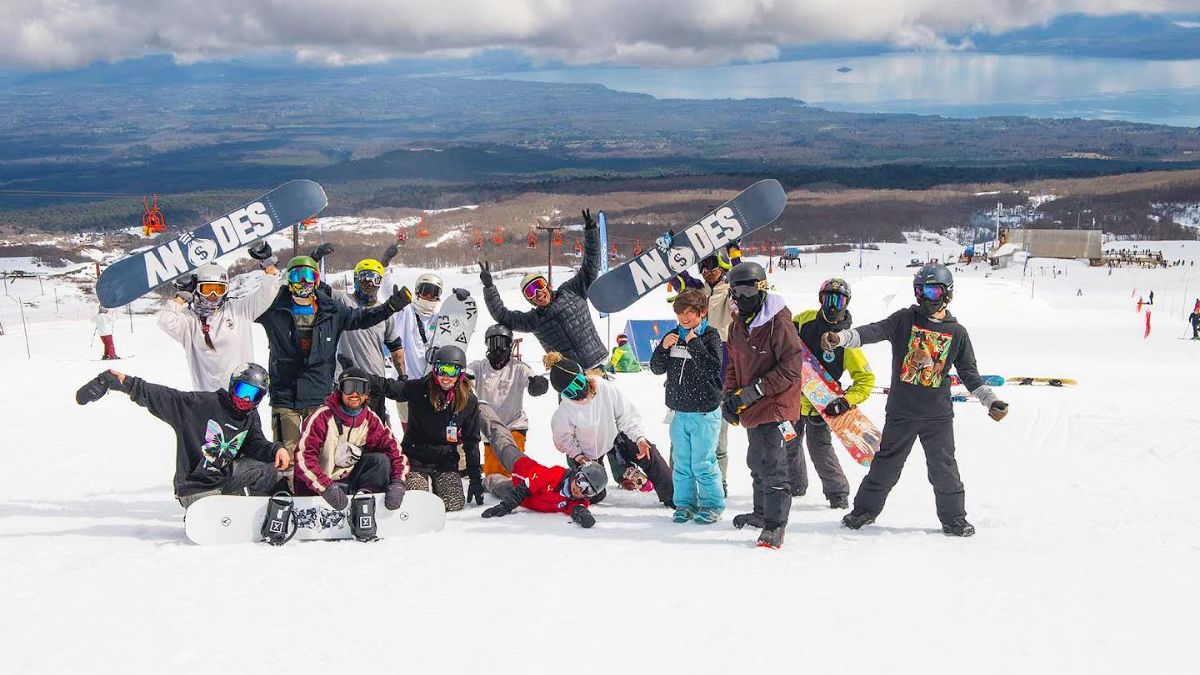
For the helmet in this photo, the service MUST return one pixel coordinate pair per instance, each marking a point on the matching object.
(747, 273)
(933, 275)
(530, 278)
(499, 341)
(302, 288)
(212, 282)
(590, 478)
(450, 354)
(303, 261)
(429, 284)
(834, 296)
(248, 385)
(748, 286)
(568, 379)
(836, 285)
(211, 273)
(369, 265)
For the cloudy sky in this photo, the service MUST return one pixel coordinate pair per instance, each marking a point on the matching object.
(55, 34)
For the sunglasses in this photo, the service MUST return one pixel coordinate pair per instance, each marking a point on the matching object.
(250, 392)
(298, 275)
(369, 278)
(577, 388)
(534, 287)
(834, 301)
(354, 386)
(933, 292)
(447, 369)
(744, 290)
(211, 289)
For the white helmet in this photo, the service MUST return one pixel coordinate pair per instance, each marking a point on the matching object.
(429, 283)
(211, 273)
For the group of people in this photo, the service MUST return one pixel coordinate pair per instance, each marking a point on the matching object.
(734, 359)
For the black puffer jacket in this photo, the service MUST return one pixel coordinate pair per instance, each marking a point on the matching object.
(565, 325)
(425, 443)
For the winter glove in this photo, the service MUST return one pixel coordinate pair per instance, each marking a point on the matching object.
(393, 497)
(838, 406)
(263, 254)
(336, 497)
(184, 297)
(462, 293)
(185, 283)
(390, 253)
(538, 385)
(997, 410)
(485, 273)
(729, 416)
(475, 490)
(97, 388)
(830, 341)
(589, 223)
(508, 504)
(345, 361)
(401, 298)
(321, 251)
(746, 396)
(581, 515)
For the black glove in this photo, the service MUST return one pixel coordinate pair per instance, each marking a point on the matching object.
(401, 298)
(390, 253)
(345, 361)
(588, 222)
(462, 293)
(336, 497)
(508, 504)
(185, 283)
(97, 388)
(997, 410)
(263, 254)
(538, 385)
(746, 396)
(321, 251)
(393, 497)
(475, 490)
(581, 515)
(485, 273)
(838, 406)
(729, 416)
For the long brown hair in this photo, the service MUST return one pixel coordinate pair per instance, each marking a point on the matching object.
(460, 393)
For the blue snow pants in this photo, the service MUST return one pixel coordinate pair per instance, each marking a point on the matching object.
(695, 472)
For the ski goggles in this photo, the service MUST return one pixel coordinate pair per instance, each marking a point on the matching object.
(369, 278)
(534, 287)
(212, 289)
(447, 369)
(354, 385)
(585, 486)
(576, 388)
(498, 343)
(300, 275)
(712, 262)
(932, 292)
(834, 301)
(250, 392)
(745, 290)
(428, 290)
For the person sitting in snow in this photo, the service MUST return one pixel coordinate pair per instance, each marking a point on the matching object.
(219, 445)
(623, 359)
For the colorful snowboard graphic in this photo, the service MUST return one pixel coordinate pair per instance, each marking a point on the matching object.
(989, 380)
(854, 429)
(924, 363)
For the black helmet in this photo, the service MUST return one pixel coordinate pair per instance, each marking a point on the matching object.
(933, 275)
(499, 341)
(497, 331)
(748, 288)
(450, 354)
(747, 273)
(248, 383)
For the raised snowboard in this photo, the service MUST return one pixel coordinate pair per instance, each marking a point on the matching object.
(232, 519)
(754, 208)
(134, 276)
(454, 324)
(854, 429)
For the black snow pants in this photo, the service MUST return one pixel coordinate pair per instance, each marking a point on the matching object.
(813, 431)
(372, 472)
(654, 466)
(247, 475)
(937, 438)
(767, 458)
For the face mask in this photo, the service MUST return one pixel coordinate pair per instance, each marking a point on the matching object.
(424, 307)
(748, 306)
(204, 307)
(302, 289)
(499, 358)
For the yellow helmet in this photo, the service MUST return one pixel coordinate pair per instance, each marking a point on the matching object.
(370, 265)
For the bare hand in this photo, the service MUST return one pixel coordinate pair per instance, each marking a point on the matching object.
(283, 459)
(671, 340)
(643, 449)
(830, 341)
(120, 376)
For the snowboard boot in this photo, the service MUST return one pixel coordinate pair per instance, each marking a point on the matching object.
(771, 537)
(799, 491)
(707, 516)
(838, 503)
(857, 518)
(958, 527)
(363, 525)
(683, 514)
(752, 519)
(279, 526)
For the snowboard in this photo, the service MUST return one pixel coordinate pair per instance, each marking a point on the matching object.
(1042, 381)
(754, 208)
(854, 429)
(454, 324)
(989, 380)
(232, 519)
(136, 275)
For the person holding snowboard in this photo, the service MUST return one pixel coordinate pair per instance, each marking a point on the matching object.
(560, 319)
(215, 330)
(345, 448)
(365, 348)
(690, 357)
(623, 360)
(926, 340)
(547, 489)
(443, 426)
(502, 381)
(832, 315)
(104, 328)
(219, 445)
(594, 418)
(762, 393)
(413, 324)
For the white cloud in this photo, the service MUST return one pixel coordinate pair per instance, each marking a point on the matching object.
(48, 34)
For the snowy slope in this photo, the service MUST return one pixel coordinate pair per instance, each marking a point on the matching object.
(1084, 561)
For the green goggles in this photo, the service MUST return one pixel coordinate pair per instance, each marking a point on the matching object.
(447, 369)
(577, 388)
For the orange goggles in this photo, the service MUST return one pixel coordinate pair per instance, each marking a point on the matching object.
(211, 289)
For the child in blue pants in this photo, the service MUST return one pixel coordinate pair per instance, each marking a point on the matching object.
(690, 356)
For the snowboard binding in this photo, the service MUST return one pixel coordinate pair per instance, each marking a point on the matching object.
(363, 524)
(279, 526)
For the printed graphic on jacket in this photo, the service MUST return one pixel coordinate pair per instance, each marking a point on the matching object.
(925, 361)
(216, 450)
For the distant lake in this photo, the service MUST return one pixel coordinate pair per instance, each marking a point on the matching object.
(950, 84)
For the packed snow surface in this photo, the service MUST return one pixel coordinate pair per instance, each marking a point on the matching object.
(1084, 500)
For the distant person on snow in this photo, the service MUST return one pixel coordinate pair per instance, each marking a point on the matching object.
(560, 319)
(104, 328)
(926, 340)
(1194, 319)
(365, 348)
(502, 380)
(219, 444)
(214, 330)
(623, 360)
(833, 315)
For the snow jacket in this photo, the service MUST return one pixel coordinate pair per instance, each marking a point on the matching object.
(331, 443)
(590, 428)
(1194, 319)
(623, 360)
(230, 328)
(768, 350)
(923, 349)
(209, 433)
(693, 371)
(565, 325)
(415, 331)
(811, 326)
(304, 382)
(367, 347)
(104, 323)
(427, 444)
(548, 492)
(504, 390)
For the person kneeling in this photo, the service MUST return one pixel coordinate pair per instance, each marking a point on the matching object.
(345, 449)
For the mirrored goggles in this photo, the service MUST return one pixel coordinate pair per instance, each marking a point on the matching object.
(834, 301)
(447, 369)
(299, 275)
(744, 290)
(369, 278)
(211, 289)
(585, 486)
(535, 286)
(577, 388)
(354, 385)
(250, 392)
(932, 292)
